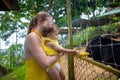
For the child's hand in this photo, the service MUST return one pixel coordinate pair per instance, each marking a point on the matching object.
(76, 52)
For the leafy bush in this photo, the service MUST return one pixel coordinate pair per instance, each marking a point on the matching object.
(18, 74)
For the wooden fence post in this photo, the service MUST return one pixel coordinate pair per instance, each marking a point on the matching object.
(70, 56)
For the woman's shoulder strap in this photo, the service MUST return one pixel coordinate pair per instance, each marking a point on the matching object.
(37, 32)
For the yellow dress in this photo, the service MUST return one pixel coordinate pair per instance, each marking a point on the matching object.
(34, 71)
(49, 51)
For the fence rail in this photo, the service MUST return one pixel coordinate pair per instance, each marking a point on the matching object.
(86, 68)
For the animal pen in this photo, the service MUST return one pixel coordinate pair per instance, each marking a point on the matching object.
(88, 68)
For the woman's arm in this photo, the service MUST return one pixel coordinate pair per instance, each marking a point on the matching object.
(61, 49)
(33, 44)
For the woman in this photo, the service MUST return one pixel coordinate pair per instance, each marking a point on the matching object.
(35, 58)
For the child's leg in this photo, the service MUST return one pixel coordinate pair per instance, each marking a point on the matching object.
(54, 74)
(62, 75)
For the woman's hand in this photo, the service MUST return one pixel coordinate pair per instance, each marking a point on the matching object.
(60, 54)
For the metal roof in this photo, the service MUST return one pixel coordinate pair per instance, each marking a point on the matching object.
(115, 11)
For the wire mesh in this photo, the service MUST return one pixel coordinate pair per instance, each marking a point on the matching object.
(84, 70)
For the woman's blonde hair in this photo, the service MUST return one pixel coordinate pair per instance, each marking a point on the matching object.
(42, 16)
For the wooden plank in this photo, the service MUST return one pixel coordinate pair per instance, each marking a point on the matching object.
(7, 5)
(70, 56)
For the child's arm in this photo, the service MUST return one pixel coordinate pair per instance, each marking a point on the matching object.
(61, 49)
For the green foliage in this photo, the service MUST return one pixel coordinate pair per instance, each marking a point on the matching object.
(81, 37)
(10, 23)
(18, 74)
(12, 20)
(11, 58)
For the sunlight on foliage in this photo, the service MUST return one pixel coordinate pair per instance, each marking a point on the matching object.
(18, 74)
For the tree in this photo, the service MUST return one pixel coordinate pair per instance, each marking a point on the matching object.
(12, 21)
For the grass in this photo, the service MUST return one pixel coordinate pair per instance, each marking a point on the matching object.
(18, 74)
